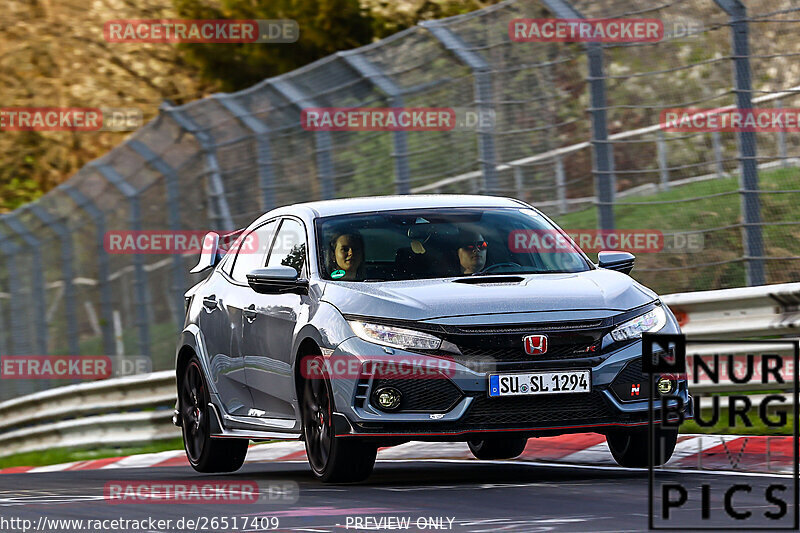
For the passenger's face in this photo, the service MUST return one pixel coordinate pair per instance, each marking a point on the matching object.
(349, 254)
(472, 257)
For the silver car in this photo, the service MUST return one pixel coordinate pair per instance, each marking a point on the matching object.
(359, 323)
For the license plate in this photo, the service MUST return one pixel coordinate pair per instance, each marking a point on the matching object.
(540, 383)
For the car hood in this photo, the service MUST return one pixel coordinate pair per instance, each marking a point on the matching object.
(593, 293)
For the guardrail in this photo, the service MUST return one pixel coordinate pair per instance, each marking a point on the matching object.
(138, 409)
(742, 313)
(113, 412)
(745, 312)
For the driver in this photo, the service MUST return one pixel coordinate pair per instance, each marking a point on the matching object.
(471, 251)
(347, 254)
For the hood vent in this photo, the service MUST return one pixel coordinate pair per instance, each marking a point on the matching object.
(491, 280)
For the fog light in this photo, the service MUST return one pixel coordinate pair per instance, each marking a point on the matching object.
(388, 398)
(665, 385)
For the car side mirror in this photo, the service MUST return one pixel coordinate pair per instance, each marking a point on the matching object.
(277, 280)
(209, 253)
(619, 261)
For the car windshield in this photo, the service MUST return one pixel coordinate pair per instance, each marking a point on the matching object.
(441, 243)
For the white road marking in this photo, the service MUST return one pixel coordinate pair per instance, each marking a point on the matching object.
(603, 467)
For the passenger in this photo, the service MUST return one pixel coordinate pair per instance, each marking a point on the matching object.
(471, 251)
(347, 256)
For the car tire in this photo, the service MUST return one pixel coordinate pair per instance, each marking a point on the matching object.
(332, 459)
(205, 454)
(629, 446)
(507, 448)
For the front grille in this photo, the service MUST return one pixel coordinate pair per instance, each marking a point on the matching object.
(501, 346)
(545, 411)
(429, 395)
(517, 353)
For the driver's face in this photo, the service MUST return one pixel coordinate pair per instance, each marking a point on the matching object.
(349, 254)
(472, 257)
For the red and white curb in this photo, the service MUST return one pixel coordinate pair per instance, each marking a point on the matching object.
(704, 452)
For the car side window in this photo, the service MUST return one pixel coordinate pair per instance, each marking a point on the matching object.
(252, 251)
(289, 248)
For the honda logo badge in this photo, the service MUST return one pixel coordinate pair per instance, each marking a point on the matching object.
(535, 344)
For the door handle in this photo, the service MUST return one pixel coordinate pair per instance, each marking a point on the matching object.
(250, 312)
(210, 302)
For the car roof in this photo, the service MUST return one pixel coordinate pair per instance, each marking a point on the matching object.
(325, 208)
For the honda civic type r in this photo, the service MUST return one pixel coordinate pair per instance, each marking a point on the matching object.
(359, 323)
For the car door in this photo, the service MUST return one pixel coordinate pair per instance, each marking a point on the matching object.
(268, 328)
(225, 366)
(252, 254)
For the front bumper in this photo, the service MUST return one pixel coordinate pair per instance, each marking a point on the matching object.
(457, 406)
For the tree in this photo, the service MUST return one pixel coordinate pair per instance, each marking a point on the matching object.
(326, 26)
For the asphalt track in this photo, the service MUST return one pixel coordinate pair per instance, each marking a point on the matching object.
(476, 496)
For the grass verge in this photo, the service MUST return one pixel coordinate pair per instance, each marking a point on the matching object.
(713, 206)
(724, 427)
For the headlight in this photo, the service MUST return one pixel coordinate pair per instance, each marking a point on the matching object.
(395, 337)
(651, 321)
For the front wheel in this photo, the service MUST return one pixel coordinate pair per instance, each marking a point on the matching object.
(630, 446)
(204, 453)
(333, 459)
(507, 448)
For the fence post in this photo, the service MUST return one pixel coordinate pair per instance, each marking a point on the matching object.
(663, 169)
(4, 343)
(518, 180)
(98, 217)
(178, 284)
(483, 97)
(561, 185)
(140, 284)
(68, 274)
(367, 70)
(604, 178)
(19, 324)
(20, 333)
(748, 180)
(782, 153)
(39, 296)
(266, 173)
(220, 212)
(322, 139)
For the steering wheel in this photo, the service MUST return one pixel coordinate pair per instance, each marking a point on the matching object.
(498, 265)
